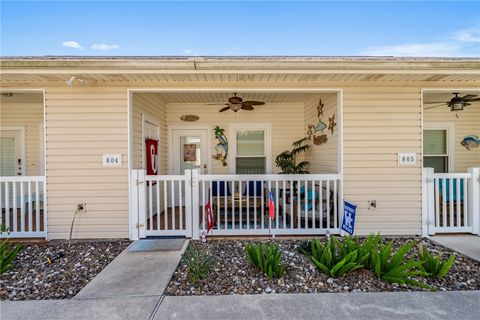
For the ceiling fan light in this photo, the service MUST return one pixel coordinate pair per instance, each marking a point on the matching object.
(457, 106)
(236, 107)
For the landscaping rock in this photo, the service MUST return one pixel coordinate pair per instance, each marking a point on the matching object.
(233, 274)
(33, 278)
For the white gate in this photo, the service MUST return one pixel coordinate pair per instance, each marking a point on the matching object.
(451, 202)
(176, 205)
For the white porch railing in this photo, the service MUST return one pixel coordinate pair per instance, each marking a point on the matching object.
(176, 204)
(22, 206)
(451, 202)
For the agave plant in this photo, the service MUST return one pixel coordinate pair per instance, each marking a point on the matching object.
(333, 258)
(434, 265)
(394, 267)
(266, 258)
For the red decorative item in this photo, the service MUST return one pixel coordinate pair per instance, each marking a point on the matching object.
(151, 149)
(210, 222)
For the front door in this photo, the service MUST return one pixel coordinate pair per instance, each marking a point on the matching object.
(190, 150)
(11, 153)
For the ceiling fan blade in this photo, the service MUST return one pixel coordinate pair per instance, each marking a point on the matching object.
(468, 96)
(224, 109)
(217, 104)
(435, 102)
(469, 100)
(443, 104)
(466, 104)
(247, 107)
(253, 103)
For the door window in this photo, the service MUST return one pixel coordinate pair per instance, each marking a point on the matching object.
(435, 150)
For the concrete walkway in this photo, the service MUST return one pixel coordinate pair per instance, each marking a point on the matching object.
(369, 306)
(468, 245)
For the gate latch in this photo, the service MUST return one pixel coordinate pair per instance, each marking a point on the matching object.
(139, 225)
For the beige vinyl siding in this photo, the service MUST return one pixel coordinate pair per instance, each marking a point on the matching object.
(286, 120)
(379, 123)
(323, 158)
(152, 106)
(467, 123)
(83, 123)
(26, 110)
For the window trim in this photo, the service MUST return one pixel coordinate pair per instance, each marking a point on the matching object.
(450, 129)
(232, 134)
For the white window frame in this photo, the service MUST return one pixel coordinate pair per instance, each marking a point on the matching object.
(450, 129)
(232, 154)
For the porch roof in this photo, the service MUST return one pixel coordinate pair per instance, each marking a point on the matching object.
(267, 69)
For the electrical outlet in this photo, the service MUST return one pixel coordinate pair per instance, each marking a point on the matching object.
(372, 204)
(82, 208)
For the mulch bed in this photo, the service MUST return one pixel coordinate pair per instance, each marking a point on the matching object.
(32, 278)
(232, 273)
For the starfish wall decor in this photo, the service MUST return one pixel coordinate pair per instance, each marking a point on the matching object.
(331, 123)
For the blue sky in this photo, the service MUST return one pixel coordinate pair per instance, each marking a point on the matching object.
(240, 28)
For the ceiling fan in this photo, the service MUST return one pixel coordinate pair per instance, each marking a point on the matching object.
(236, 103)
(456, 103)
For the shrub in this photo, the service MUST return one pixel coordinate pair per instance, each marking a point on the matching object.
(8, 252)
(198, 261)
(267, 258)
(394, 267)
(434, 265)
(333, 258)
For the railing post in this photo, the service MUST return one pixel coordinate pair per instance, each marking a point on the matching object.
(188, 202)
(133, 205)
(142, 203)
(474, 200)
(195, 204)
(428, 202)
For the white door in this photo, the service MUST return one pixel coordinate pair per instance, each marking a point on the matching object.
(11, 153)
(189, 151)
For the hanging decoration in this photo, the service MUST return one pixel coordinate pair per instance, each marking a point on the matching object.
(222, 146)
(331, 123)
(320, 109)
(151, 157)
(318, 140)
(470, 142)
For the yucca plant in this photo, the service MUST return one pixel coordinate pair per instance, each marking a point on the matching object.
(198, 261)
(8, 252)
(333, 258)
(266, 258)
(394, 267)
(435, 266)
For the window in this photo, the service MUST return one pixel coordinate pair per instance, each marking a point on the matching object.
(436, 150)
(250, 152)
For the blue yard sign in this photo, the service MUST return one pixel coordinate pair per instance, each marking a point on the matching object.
(348, 221)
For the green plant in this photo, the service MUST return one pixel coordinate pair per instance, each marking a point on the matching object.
(394, 267)
(334, 258)
(434, 265)
(267, 258)
(198, 261)
(8, 252)
(287, 160)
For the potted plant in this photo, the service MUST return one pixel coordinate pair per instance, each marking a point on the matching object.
(287, 160)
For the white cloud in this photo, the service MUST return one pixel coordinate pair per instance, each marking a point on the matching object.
(189, 52)
(467, 35)
(104, 47)
(72, 44)
(439, 49)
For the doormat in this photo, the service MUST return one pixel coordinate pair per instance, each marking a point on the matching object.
(149, 245)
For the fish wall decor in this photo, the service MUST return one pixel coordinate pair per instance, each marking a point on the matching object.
(471, 141)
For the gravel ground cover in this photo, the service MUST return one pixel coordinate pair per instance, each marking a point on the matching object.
(232, 274)
(32, 278)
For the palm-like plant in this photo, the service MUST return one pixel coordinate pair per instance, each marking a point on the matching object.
(435, 266)
(287, 160)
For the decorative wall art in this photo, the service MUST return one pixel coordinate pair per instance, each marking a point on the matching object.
(189, 152)
(471, 141)
(318, 140)
(320, 109)
(189, 117)
(221, 147)
(331, 123)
